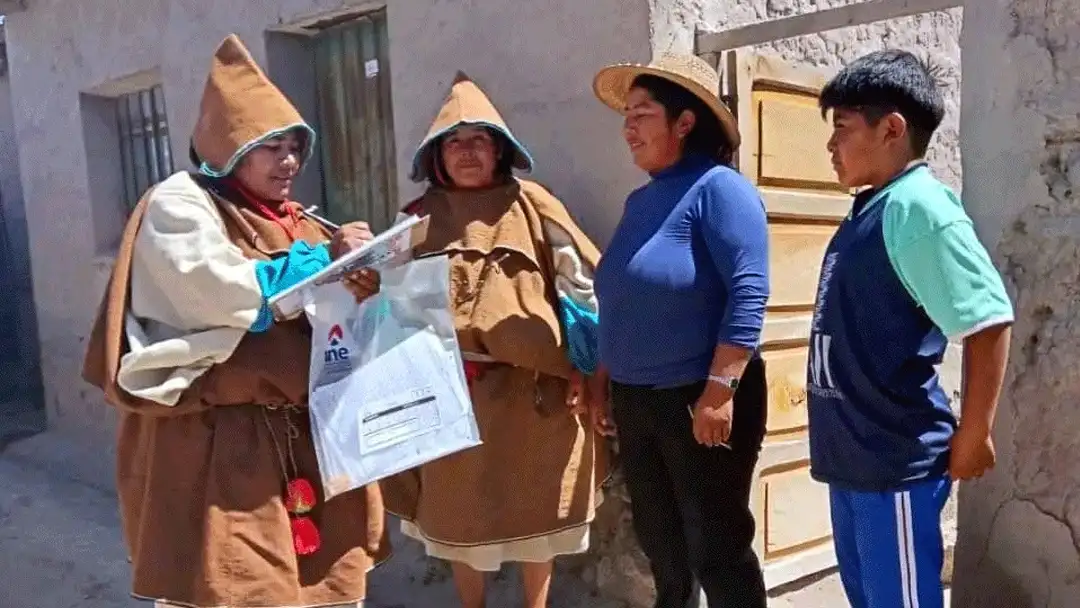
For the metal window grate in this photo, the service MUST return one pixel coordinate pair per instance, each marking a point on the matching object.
(145, 157)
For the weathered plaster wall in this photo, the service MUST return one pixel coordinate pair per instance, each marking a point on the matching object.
(932, 35)
(58, 50)
(537, 61)
(1019, 544)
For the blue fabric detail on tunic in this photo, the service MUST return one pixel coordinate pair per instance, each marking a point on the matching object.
(281, 273)
(582, 342)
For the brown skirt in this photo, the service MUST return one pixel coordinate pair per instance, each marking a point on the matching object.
(205, 521)
(536, 473)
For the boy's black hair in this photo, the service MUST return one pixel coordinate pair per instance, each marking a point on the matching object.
(707, 137)
(883, 82)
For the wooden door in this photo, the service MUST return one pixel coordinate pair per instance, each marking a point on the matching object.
(356, 120)
(783, 153)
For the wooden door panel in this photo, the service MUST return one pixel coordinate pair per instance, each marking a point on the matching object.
(786, 204)
(792, 141)
(786, 377)
(795, 255)
(783, 153)
(786, 328)
(796, 510)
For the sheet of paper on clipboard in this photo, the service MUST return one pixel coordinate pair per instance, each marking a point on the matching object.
(387, 250)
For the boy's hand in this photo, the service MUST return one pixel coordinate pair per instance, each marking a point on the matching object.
(972, 453)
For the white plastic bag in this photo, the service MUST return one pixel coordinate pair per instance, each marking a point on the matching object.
(387, 389)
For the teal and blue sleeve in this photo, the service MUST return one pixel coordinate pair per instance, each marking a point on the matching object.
(580, 325)
(281, 273)
(947, 271)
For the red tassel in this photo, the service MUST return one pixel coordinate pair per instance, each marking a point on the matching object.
(305, 536)
(473, 371)
(299, 497)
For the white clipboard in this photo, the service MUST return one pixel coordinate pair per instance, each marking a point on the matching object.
(387, 248)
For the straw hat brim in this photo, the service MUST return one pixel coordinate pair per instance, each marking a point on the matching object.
(612, 85)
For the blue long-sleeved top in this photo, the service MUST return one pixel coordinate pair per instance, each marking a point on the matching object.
(686, 270)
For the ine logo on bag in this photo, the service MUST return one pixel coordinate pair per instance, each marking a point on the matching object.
(336, 352)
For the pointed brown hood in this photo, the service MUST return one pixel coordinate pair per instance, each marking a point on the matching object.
(240, 110)
(466, 104)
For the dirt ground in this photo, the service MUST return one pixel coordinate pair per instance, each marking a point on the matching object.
(60, 547)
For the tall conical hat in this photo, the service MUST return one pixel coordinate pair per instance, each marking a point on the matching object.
(466, 104)
(240, 110)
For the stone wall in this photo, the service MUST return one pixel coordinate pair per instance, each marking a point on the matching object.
(1019, 544)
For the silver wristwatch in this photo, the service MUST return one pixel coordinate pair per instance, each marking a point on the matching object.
(730, 382)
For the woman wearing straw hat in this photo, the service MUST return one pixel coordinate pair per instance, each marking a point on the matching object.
(682, 289)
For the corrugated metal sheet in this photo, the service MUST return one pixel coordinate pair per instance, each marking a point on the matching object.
(356, 121)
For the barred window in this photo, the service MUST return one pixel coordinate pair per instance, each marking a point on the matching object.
(143, 127)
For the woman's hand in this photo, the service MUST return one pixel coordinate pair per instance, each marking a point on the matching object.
(363, 283)
(600, 405)
(577, 395)
(349, 237)
(713, 416)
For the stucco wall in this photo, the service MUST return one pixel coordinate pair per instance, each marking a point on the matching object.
(932, 35)
(1019, 544)
(535, 59)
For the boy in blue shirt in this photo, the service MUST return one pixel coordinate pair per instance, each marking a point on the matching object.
(903, 275)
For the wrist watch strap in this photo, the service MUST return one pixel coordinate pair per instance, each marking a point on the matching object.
(729, 381)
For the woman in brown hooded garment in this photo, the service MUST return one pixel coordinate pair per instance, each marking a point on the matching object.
(216, 471)
(521, 293)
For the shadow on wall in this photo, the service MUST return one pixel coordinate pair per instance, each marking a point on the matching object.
(22, 407)
(1005, 592)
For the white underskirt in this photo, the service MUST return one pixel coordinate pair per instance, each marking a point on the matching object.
(489, 558)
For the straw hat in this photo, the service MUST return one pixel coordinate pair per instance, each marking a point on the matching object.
(692, 73)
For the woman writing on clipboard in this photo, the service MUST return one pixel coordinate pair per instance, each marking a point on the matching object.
(217, 474)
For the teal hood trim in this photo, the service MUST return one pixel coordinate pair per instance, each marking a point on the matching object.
(523, 161)
(309, 147)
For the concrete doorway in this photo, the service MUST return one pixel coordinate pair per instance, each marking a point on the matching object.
(22, 407)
